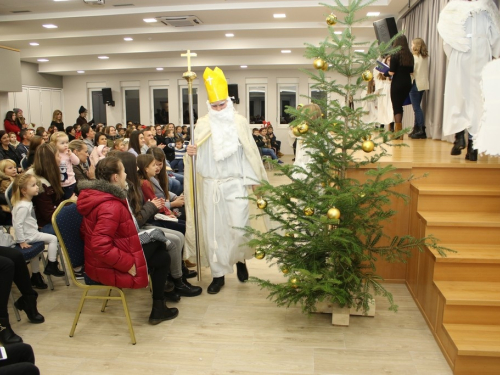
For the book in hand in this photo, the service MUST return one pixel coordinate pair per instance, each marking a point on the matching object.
(381, 67)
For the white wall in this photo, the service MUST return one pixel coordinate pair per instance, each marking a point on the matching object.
(76, 93)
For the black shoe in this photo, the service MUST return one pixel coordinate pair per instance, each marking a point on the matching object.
(27, 304)
(459, 143)
(37, 281)
(172, 296)
(169, 285)
(185, 289)
(79, 275)
(187, 273)
(161, 312)
(418, 134)
(216, 285)
(53, 269)
(471, 153)
(242, 271)
(7, 335)
(413, 131)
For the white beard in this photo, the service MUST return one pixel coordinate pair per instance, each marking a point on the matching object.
(224, 134)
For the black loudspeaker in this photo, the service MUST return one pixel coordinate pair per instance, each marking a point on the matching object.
(107, 96)
(233, 92)
(385, 29)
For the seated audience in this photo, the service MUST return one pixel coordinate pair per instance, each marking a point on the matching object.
(120, 145)
(99, 153)
(27, 161)
(88, 137)
(111, 135)
(13, 139)
(180, 151)
(71, 132)
(8, 171)
(66, 161)
(137, 141)
(10, 124)
(83, 172)
(7, 151)
(266, 150)
(275, 144)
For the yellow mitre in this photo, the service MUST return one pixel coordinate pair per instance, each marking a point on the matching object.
(216, 85)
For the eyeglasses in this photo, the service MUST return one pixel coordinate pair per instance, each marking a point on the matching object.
(219, 105)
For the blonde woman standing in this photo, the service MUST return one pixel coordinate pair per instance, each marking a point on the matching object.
(420, 84)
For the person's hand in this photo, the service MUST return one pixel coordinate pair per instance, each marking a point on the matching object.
(132, 271)
(172, 215)
(24, 245)
(91, 172)
(162, 146)
(158, 203)
(191, 150)
(177, 202)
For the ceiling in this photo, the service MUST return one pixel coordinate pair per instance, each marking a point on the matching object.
(85, 32)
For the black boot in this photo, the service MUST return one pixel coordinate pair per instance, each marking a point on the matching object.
(172, 296)
(37, 281)
(7, 335)
(161, 312)
(187, 273)
(53, 269)
(459, 143)
(242, 271)
(471, 153)
(391, 127)
(216, 285)
(185, 289)
(413, 131)
(28, 305)
(418, 134)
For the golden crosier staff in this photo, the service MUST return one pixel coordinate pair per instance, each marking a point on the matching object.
(190, 76)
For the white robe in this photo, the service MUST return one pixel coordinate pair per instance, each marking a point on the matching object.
(463, 103)
(224, 208)
(385, 113)
(370, 107)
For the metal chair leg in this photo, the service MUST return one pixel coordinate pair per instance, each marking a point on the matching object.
(78, 313)
(105, 302)
(49, 279)
(61, 258)
(16, 311)
(127, 316)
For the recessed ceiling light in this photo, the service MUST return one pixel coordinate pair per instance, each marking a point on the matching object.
(338, 32)
(42, 60)
(373, 14)
(279, 15)
(128, 39)
(243, 66)
(229, 35)
(50, 26)
(159, 68)
(286, 51)
(34, 44)
(359, 50)
(103, 57)
(150, 20)
(80, 71)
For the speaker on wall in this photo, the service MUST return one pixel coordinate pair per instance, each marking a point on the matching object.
(385, 29)
(107, 96)
(233, 92)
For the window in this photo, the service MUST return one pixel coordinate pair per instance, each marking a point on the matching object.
(132, 105)
(287, 98)
(185, 105)
(256, 103)
(160, 106)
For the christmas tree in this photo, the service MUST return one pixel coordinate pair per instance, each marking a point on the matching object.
(328, 230)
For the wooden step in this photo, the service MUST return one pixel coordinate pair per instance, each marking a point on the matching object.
(468, 173)
(472, 253)
(456, 189)
(474, 293)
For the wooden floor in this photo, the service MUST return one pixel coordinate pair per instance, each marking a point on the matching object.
(239, 331)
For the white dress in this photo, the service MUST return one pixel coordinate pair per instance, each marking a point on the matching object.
(223, 210)
(463, 102)
(385, 114)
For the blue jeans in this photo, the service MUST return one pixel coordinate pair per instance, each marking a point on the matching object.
(416, 99)
(269, 152)
(175, 186)
(178, 164)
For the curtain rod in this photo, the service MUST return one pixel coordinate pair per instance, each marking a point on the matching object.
(410, 8)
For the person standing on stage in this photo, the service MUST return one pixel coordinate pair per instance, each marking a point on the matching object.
(471, 35)
(228, 164)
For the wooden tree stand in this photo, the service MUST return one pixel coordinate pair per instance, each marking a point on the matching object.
(340, 315)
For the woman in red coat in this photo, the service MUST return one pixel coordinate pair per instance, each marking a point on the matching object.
(10, 124)
(113, 252)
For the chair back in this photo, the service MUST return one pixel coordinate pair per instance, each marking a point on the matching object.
(8, 195)
(66, 221)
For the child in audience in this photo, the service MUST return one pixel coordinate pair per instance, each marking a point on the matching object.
(8, 171)
(98, 153)
(66, 161)
(13, 139)
(26, 228)
(180, 151)
(274, 142)
(119, 145)
(178, 132)
(267, 150)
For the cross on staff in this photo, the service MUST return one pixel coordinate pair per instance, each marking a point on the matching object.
(189, 54)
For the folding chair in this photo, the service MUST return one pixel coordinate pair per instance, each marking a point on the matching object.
(67, 221)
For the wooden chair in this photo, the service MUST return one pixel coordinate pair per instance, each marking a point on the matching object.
(67, 221)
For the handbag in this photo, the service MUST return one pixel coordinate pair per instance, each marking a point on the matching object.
(6, 239)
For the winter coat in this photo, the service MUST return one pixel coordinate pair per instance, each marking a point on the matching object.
(112, 245)
(5, 182)
(45, 202)
(10, 126)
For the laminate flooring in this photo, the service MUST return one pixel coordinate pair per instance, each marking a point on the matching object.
(238, 331)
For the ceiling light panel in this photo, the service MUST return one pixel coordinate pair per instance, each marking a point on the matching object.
(279, 15)
(150, 20)
(50, 26)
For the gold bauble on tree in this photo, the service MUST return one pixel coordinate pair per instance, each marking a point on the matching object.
(294, 282)
(284, 270)
(331, 20)
(308, 211)
(319, 63)
(303, 128)
(333, 213)
(368, 146)
(261, 203)
(367, 76)
(326, 66)
(260, 254)
(296, 131)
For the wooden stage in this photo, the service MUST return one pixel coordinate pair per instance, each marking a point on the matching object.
(459, 203)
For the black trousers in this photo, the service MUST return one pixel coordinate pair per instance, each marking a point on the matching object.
(12, 269)
(158, 262)
(20, 361)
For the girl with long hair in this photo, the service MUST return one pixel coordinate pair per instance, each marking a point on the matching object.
(10, 124)
(57, 120)
(136, 142)
(420, 84)
(35, 142)
(7, 151)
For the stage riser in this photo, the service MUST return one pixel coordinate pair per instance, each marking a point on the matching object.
(467, 272)
(458, 203)
(465, 235)
(458, 176)
(463, 314)
(469, 365)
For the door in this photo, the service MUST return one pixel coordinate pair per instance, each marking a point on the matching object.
(98, 108)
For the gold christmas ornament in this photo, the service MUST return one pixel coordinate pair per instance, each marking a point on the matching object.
(294, 282)
(296, 131)
(326, 66)
(319, 63)
(332, 226)
(289, 234)
(284, 270)
(333, 213)
(260, 254)
(308, 211)
(331, 20)
(261, 203)
(362, 195)
(303, 128)
(367, 76)
(368, 146)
